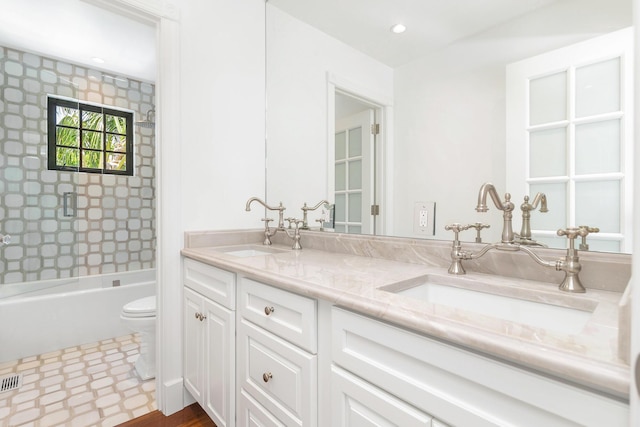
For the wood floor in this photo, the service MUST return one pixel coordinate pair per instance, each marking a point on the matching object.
(191, 416)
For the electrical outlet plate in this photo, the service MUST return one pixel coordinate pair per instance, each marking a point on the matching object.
(424, 215)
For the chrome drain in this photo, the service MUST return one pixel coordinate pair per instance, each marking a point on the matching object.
(11, 382)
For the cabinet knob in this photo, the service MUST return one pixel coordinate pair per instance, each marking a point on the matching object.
(266, 377)
(269, 310)
(200, 316)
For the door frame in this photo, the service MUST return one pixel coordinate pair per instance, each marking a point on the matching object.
(383, 105)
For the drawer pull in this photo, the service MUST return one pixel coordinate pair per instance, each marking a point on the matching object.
(266, 377)
(269, 310)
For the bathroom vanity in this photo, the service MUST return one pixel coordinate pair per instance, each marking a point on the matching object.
(356, 330)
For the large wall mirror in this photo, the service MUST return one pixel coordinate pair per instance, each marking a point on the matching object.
(448, 96)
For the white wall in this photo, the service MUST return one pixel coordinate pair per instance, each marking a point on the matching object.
(299, 58)
(222, 112)
(210, 145)
(450, 113)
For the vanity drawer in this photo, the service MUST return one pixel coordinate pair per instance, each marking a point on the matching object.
(278, 375)
(290, 316)
(214, 283)
(457, 386)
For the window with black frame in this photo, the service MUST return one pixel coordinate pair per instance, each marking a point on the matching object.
(89, 138)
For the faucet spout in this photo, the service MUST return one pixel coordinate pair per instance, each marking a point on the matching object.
(488, 188)
(278, 208)
(256, 199)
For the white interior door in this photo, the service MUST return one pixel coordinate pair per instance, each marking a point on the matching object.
(354, 173)
(569, 121)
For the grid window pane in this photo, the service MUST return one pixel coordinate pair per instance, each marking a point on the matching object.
(116, 161)
(598, 147)
(341, 145)
(116, 124)
(92, 140)
(92, 159)
(92, 120)
(341, 176)
(67, 137)
(355, 142)
(355, 207)
(548, 153)
(116, 143)
(355, 175)
(598, 205)
(67, 116)
(598, 88)
(548, 99)
(67, 157)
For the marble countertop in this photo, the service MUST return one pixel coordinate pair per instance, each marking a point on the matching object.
(587, 358)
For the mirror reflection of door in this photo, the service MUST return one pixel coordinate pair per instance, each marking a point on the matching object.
(355, 166)
(569, 117)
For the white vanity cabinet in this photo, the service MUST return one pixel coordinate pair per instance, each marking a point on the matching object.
(450, 384)
(209, 339)
(277, 357)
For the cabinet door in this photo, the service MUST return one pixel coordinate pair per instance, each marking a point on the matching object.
(357, 403)
(219, 361)
(252, 414)
(193, 345)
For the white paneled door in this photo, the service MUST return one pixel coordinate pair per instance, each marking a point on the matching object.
(354, 173)
(570, 124)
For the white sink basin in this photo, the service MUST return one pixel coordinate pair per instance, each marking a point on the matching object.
(565, 318)
(249, 250)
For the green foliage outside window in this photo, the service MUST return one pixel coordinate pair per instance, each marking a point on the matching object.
(89, 138)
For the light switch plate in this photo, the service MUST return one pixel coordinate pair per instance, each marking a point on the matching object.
(424, 215)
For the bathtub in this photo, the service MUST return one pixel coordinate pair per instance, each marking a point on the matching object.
(40, 317)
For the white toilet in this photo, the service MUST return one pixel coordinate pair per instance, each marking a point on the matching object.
(140, 316)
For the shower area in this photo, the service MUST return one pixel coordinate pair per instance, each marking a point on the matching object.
(76, 242)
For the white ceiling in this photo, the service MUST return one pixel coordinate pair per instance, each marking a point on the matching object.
(431, 24)
(77, 31)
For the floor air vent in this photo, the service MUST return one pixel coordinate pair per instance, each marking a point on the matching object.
(11, 382)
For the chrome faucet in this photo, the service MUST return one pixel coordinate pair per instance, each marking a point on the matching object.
(570, 264)
(305, 209)
(279, 208)
(525, 231)
(506, 206)
(268, 234)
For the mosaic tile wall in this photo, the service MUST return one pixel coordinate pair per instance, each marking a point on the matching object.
(114, 229)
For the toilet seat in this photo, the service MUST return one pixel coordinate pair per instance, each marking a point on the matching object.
(143, 307)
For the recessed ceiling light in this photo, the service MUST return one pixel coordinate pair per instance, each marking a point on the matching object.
(398, 28)
(97, 60)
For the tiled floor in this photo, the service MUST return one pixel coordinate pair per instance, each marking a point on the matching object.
(88, 385)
